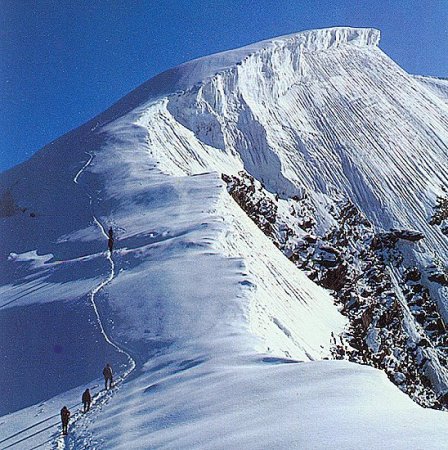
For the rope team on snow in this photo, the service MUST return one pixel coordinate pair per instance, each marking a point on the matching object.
(86, 398)
(107, 371)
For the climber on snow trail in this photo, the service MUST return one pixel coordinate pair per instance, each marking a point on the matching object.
(110, 242)
(86, 400)
(107, 372)
(65, 417)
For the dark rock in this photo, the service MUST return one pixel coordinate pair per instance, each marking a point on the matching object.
(335, 279)
(412, 274)
(444, 229)
(436, 325)
(408, 235)
(438, 277)
(310, 238)
(365, 293)
(226, 178)
(441, 211)
(416, 300)
(425, 381)
(294, 257)
(416, 288)
(312, 274)
(378, 290)
(366, 318)
(420, 317)
(443, 398)
(424, 343)
(352, 303)
(307, 223)
(326, 262)
(383, 240)
(330, 249)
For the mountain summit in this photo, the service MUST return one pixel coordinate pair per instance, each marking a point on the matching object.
(280, 221)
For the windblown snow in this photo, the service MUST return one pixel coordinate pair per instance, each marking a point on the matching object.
(217, 339)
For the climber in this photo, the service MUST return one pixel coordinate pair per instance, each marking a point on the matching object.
(65, 416)
(107, 372)
(86, 400)
(110, 241)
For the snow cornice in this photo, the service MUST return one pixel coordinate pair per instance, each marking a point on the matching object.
(199, 70)
(311, 40)
(326, 38)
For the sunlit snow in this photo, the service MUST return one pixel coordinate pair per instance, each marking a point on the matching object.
(218, 340)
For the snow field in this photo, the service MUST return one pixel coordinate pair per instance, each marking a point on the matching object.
(264, 403)
(226, 333)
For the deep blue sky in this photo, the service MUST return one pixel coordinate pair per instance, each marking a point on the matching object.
(64, 61)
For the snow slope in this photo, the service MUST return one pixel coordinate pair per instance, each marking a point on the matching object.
(438, 85)
(211, 314)
(298, 117)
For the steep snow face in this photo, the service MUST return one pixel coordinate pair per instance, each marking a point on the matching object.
(438, 85)
(328, 119)
(200, 70)
(329, 113)
(196, 72)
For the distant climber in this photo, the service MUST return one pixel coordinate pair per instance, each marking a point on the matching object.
(65, 417)
(86, 400)
(107, 372)
(110, 241)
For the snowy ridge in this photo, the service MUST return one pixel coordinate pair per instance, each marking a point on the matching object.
(94, 292)
(227, 335)
(199, 71)
(314, 125)
(345, 123)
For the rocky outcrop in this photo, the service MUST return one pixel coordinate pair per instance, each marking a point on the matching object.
(437, 275)
(251, 199)
(388, 239)
(440, 211)
(394, 324)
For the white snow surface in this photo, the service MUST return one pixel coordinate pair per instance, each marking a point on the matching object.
(438, 85)
(227, 336)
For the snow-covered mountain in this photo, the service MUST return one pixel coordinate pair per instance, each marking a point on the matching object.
(273, 207)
